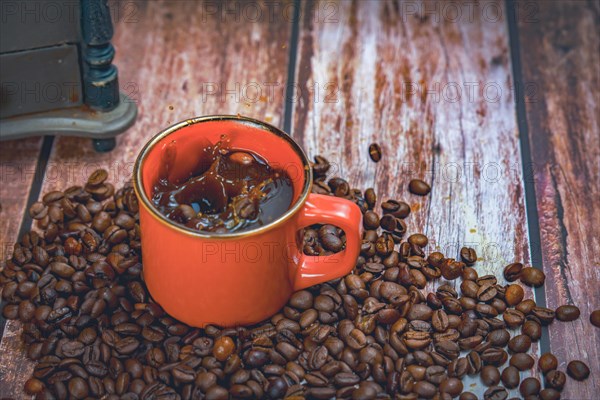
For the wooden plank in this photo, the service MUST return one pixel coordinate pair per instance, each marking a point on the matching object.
(18, 163)
(176, 60)
(559, 56)
(403, 80)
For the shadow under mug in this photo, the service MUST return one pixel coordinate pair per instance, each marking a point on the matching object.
(236, 278)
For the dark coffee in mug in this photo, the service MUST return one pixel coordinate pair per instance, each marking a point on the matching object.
(228, 190)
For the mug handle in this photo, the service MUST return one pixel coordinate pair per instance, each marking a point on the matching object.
(321, 209)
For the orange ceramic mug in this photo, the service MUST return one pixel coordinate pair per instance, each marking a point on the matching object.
(236, 278)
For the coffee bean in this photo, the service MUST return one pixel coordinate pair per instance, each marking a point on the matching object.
(33, 386)
(513, 295)
(486, 292)
(532, 276)
(425, 389)
(549, 394)
(567, 313)
(522, 361)
(38, 210)
(529, 387)
(578, 370)
(78, 388)
(547, 362)
(375, 152)
(519, 344)
(398, 209)
(495, 393)
(467, 396)
(468, 255)
(532, 329)
(510, 377)
(556, 379)
(223, 348)
(419, 187)
(595, 318)
(97, 177)
(451, 386)
(418, 239)
(490, 376)
(543, 314)
(513, 318)
(512, 272)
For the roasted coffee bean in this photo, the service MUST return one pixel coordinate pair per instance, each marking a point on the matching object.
(425, 389)
(514, 294)
(567, 313)
(490, 376)
(486, 292)
(468, 255)
(223, 348)
(595, 318)
(33, 386)
(419, 187)
(532, 276)
(495, 393)
(549, 394)
(529, 387)
(556, 379)
(510, 377)
(467, 396)
(543, 314)
(513, 318)
(547, 362)
(418, 239)
(512, 271)
(532, 329)
(97, 177)
(519, 344)
(522, 361)
(578, 370)
(375, 152)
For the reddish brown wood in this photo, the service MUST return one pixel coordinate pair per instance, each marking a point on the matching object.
(18, 161)
(171, 56)
(369, 58)
(560, 58)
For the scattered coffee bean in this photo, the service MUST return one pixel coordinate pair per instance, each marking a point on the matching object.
(510, 377)
(567, 313)
(529, 387)
(578, 370)
(547, 362)
(375, 152)
(490, 376)
(512, 272)
(419, 187)
(595, 318)
(556, 379)
(468, 255)
(532, 276)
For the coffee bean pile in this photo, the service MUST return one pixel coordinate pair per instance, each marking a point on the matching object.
(94, 332)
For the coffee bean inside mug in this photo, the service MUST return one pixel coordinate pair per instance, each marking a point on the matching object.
(229, 190)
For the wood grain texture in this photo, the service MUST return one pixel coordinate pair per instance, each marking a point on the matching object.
(176, 59)
(18, 162)
(560, 59)
(465, 144)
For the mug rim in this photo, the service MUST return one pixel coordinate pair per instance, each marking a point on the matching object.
(150, 144)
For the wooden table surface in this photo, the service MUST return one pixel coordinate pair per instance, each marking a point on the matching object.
(495, 103)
